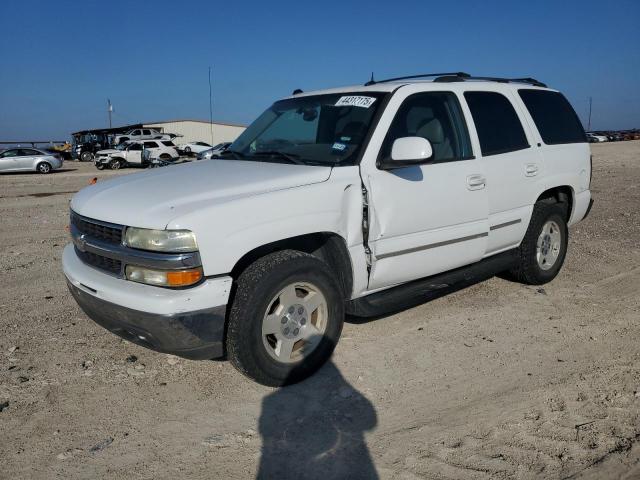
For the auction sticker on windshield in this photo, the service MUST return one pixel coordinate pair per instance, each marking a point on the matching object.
(355, 101)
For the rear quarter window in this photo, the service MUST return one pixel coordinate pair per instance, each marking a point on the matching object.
(168, 144)
(554, 117)
(498, 126)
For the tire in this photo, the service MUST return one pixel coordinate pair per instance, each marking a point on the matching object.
(115, 164)
(255, 353)
(534, 267)
(100, 166)
(187, 150)
(86, 156)
(43, 167)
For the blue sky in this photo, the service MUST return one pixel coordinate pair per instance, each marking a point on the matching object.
(61, 60)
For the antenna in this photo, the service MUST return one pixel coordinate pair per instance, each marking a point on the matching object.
(110, 110)
(210, 107)
(370, 82)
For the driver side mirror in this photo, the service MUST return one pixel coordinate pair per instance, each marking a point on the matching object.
(407, 151)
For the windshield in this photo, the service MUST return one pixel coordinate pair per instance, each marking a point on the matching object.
(122, 146)
(314, 130)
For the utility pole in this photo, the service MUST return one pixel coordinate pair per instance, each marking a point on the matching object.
(210, 108)
(589, 122)
(110, 110)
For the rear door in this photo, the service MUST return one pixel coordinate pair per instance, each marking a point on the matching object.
(425, 219)
(26, 158)
(511, 161)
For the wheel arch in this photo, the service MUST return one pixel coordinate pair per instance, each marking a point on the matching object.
(560, 194)
(327, 246)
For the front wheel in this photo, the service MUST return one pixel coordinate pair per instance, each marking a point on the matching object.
(286, 318)
(86, 156)
(115, 164)
(544, 247)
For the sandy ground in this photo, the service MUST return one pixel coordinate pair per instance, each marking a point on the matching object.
(499, 380)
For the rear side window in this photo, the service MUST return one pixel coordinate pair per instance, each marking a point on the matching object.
(168, 144)
(150, 144)
(556, 120)
(498, 126)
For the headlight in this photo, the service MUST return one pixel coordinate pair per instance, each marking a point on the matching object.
(161, 240)
(163, 278)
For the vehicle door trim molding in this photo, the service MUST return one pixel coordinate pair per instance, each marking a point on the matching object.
(505, 224)
(431, 245)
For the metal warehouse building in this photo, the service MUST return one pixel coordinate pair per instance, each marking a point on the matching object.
(191, 131)
(198, 130)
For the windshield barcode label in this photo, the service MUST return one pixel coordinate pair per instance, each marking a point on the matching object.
(355, 101)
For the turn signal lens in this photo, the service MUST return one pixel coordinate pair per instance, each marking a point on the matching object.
(163, 278)
(183, 278)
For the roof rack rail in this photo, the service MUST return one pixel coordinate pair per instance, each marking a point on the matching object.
(461, 78)
(424, 75)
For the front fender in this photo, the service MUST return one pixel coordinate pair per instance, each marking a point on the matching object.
(226, 232)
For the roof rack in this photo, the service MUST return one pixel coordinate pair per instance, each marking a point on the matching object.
(423, 75)
(459, 77)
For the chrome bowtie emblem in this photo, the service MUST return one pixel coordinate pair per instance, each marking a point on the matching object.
(80, 242)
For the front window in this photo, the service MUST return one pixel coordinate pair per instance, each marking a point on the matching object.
(314, 130)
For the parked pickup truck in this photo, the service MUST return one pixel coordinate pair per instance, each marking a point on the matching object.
(361, 200)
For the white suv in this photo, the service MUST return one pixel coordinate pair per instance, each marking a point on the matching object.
(363, 200)
(135, 154)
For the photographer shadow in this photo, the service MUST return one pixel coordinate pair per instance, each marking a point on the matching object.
(315, 429)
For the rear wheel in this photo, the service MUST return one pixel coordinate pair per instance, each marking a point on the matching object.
(100, 166)
(286, 318)
(544, 246)
(115, 164)
(43, 167)
(187, 150)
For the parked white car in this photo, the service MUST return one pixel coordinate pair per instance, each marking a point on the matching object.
(594, 138)
(29, 159)
(132, 154)
(141, 134)
(364, 199)
(213, 151)
(193, 147)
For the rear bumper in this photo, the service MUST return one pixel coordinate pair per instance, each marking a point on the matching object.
(581, 206)
(196, 335)
(588, 209)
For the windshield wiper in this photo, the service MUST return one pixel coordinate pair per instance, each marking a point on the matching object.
(290, 157)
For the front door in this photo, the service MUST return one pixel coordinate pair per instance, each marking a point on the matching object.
(430, 218)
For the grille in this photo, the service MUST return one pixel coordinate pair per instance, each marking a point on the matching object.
(111, 234)
(100, 262)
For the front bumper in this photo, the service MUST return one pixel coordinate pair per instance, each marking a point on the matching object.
(187, 322)
(196, 335)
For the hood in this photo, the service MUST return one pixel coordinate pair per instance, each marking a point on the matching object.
(151, 199)
(107, 151)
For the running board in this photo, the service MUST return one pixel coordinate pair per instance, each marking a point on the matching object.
(420, 291)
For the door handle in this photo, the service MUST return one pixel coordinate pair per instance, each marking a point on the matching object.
(476, 182)
(531, 170)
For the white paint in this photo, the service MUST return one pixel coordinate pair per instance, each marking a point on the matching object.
(411, 148)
